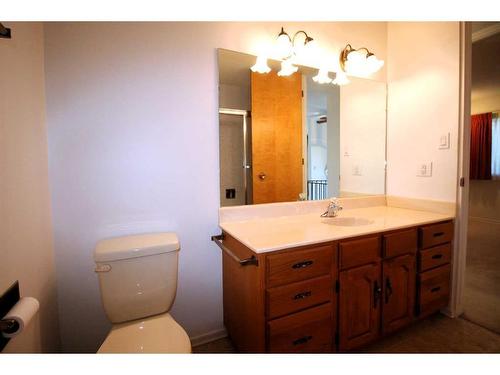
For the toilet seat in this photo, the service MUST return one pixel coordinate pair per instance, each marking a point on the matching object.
(155, 334)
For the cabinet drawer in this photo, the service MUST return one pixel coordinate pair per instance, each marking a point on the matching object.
(309, 331)
(434, 257)
(434, 289)
(436, 234)
(400, 243)
(359, 252)
(297, 265)
(290, 298)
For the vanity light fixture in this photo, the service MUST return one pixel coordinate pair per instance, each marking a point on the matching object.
(261, 65)
(359, 62)
(340, 79)
(322, 77)
(289, 47)
(287, 68)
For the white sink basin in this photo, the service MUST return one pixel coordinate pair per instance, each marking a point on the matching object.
(348, 221)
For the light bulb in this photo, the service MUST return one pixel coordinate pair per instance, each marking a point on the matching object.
(310, 53)
(356, 63)
(283, 45)
(340, 79)
(322, 77)
(261, 65)
(373, 64)
(287, 68)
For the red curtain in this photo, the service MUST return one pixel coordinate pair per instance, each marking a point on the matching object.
(480, 147)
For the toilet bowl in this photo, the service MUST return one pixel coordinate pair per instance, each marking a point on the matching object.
(156, 334)
(138, 283)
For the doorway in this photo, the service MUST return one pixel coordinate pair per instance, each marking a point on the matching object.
(481, 293)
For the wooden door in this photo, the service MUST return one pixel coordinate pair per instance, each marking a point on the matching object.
(398, 278)
(276, 137)
(359, 306)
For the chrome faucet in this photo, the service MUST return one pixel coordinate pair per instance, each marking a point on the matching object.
(333, 208)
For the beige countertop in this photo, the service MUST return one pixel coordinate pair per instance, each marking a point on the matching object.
(276, 233)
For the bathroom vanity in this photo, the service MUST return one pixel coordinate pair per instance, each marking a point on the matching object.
(307, 284)
(297, 282)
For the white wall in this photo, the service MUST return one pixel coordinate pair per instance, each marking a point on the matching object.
(25, 222)
(423, 98)
(362, 137)
(133, 147)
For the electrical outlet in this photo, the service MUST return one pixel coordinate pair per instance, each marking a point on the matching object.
(230, 193)
(424, 170)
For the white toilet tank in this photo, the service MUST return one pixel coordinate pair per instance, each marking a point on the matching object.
(137, 275)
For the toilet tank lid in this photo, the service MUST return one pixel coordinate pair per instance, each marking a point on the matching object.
(135, 246)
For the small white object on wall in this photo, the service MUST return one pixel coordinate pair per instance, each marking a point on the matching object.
(356, 170)
(444, 141)
(424, 170)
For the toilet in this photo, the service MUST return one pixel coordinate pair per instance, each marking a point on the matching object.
(138, 282)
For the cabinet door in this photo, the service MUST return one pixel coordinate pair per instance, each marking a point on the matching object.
(359, 306)
(399, 281)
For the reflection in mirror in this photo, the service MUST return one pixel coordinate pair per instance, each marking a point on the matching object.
(289, 138)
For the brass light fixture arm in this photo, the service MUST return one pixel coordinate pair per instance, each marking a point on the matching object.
(306, 40)
(348, 49)
(292, 40)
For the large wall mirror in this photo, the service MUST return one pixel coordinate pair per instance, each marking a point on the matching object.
(289, 138)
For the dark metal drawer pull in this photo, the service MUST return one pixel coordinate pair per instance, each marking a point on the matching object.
(437, 256)
(303, 295)
(302, 340)
(304, 264)
(438, 234)
(436, 289)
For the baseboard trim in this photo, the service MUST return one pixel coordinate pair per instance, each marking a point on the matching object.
(208, 337)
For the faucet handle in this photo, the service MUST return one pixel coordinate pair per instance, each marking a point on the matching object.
(334, 200)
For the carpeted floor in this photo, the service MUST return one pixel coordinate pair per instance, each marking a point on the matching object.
(436, 334)
(482, 275)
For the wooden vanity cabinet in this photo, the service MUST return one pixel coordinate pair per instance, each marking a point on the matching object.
(377, 286)
(398, 292)
(335, 296)
(359, 306)
(299, 298)
(359, 292)
(434, 260)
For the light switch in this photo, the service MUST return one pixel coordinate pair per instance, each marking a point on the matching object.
(424, 170)
(444, 141)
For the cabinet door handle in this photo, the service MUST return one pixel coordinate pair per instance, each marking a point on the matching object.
(436, 289)
(438, 234)
(302, 295)
(302, 340)
(388, 289)
(304, 264)
(377, 291)
(437, 256)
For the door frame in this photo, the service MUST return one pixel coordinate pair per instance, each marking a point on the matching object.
(455, 307)
(244, 114)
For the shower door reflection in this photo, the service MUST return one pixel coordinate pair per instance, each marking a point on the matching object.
(235, 159)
